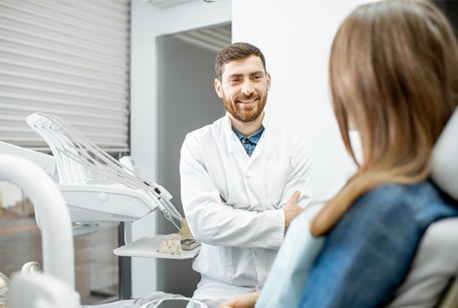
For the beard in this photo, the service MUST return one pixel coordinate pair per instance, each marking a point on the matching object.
(245, 114)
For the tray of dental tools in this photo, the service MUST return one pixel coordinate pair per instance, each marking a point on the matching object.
(168, 246)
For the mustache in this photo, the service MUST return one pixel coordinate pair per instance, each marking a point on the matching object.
(251, 96)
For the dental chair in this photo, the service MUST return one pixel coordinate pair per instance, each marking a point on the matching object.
(433, 278)
(55, 287)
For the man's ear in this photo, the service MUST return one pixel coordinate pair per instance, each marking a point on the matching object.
(268, 81)
(218, 87)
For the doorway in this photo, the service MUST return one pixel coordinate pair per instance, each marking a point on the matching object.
(186, 101)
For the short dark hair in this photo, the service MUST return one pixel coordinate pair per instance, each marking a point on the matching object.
(236, 51)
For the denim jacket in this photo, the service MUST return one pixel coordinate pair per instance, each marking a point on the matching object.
(367, 254)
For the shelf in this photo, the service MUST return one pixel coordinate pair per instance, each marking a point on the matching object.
(149, 246)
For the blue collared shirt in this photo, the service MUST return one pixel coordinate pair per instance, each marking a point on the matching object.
(249, 142)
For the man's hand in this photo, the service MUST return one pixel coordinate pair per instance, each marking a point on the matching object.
(242, 301)
(291, 209)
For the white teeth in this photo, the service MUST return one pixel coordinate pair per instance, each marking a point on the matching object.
(247, 102)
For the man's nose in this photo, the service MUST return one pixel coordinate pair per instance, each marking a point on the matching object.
(247, 88)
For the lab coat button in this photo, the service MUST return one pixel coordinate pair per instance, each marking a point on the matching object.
(247, 177)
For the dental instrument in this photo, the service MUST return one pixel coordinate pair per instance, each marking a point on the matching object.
(96, 186)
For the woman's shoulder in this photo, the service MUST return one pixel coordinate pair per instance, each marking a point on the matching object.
(422, 201)
(416, 194)
(396, 190)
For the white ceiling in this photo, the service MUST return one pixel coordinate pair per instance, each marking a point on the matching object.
(166, 3)
(213, 38)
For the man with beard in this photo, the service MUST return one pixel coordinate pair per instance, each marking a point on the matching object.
(242, 181)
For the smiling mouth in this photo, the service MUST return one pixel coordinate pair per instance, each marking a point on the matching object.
(247, 101)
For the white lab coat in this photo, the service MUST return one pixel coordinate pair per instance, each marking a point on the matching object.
(233, 202)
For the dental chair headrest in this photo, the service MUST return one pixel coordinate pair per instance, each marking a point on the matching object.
(445, 158)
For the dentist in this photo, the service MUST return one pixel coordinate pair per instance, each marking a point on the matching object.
(242, 181)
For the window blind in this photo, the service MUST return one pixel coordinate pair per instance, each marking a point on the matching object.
(70, 59)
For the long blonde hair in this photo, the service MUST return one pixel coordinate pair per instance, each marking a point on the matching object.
(394, 75)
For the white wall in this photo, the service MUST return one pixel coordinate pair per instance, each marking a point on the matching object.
(149, 22)
(296, 37)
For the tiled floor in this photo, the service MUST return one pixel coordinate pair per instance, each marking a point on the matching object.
(96, 267)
